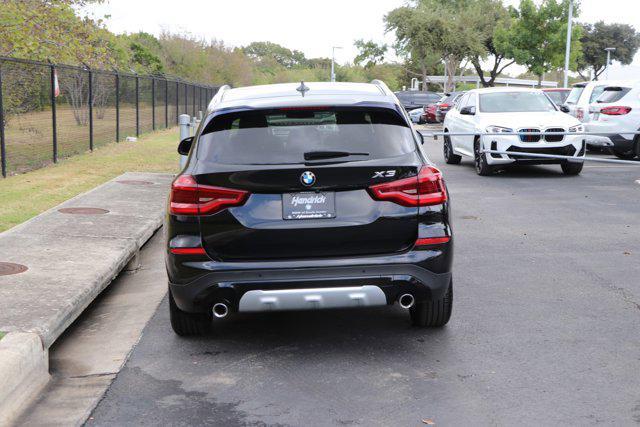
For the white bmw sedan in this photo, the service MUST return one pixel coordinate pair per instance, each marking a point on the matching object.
(511, 113)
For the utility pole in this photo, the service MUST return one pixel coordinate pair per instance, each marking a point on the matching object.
(333, 60)
(609, 50)
(567, 53)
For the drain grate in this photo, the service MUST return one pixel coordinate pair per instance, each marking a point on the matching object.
(134, 182)
(9, 268)
(83, 211)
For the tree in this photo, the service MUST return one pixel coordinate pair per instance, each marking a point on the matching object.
(369, 52)
(487, 16)
(264, 51)
(596, 37)
(419, 32)
(537, 36)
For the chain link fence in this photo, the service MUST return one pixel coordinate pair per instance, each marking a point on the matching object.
(53, 111)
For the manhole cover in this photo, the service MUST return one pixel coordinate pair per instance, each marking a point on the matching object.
(83, 211)
(8, 268)
(134, 182)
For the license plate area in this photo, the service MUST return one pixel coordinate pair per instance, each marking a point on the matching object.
(309, 205)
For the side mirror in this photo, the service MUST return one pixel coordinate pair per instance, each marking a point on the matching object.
(185, 146)
(468, 111)
(564, 108)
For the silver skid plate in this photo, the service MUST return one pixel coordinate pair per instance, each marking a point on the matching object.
(312, 299)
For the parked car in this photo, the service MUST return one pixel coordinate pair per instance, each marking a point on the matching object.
(435, 113)
(417, 116)
(558, 95)
(291, 202)
(582, 95)
(507, 111)
(615, 111)
(412, 99)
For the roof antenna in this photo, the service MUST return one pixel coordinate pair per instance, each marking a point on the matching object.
(302, 88)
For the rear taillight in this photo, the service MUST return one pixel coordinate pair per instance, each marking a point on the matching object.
(444, 106)
(426, 189)
(188, 251)
(426, 241)
(615, 111)
(190, 198)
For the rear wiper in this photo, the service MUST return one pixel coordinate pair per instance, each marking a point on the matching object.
(317, 155)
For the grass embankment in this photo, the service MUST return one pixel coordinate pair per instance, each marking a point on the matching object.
(25, 196)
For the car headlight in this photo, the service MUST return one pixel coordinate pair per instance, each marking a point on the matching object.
(578, 128)
(499, 129)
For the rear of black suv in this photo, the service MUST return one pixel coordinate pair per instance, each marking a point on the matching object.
(307, 207)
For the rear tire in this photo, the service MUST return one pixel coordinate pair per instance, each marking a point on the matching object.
(188, 324)
(449, 156)
(435, 313)
(571, 168)
(629, 154)
(480, 160)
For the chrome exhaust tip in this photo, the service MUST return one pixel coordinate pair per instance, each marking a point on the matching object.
(220, 310)
(406, 301)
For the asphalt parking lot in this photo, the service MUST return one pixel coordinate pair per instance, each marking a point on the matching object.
(545, 329)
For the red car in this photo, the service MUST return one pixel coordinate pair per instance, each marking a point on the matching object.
(435, 113)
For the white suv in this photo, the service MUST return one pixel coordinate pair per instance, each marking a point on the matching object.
(509, 111)
(615, 111)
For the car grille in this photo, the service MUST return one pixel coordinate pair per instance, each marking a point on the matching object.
(529, 138)
(554, 138)
(568, 150)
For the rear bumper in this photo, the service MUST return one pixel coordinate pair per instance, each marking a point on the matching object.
(347, 286)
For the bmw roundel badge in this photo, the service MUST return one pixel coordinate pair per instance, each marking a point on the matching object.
(308, 178)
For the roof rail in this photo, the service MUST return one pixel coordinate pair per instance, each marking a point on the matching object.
(382, 85)
(218, 96)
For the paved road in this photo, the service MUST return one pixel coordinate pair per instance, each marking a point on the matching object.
(545, 330)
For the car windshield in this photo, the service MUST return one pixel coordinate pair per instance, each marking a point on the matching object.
(515, 102)
(574, 95)
(557, 96)
(283, 136)
(418, 98)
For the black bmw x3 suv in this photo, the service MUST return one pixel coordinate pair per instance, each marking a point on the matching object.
(307, 196)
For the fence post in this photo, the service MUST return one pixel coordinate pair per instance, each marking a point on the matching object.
(153, 103)
(166, 103)
(3, 154)
(90, 109)
(117, 107)
(54, 119)
(186, 99)
(177, 102)
(137, 105)
(194, 99)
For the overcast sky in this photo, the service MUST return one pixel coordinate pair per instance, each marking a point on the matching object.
(310, 26)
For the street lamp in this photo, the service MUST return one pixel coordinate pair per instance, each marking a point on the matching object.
(609, 50)
(567, 52)
(333, 60)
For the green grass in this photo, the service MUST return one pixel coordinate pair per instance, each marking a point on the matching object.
(25, 196)
(2, 334)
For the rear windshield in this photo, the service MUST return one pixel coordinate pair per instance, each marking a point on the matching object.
(418, 98)
(597, 91)
(612, 94)
(515, 102)
(574, 95)
(284, 136)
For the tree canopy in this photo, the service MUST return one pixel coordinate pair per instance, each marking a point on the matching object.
(596, 37)
(536, 37)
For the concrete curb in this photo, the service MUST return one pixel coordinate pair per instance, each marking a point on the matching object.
(76, 258)
(24, 371)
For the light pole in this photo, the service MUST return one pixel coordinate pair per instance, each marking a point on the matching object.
(567, 52)
(333, 60)
(609, 50)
